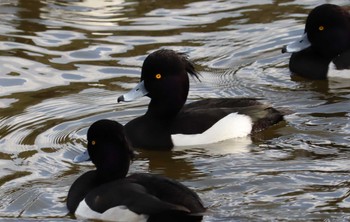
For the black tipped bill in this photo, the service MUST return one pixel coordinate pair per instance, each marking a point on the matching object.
(137, 92)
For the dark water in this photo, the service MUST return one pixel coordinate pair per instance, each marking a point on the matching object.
(65, 62)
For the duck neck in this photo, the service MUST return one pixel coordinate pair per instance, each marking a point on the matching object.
(167, 105)
(165, 109)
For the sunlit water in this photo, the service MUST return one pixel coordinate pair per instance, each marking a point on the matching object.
(64, 63)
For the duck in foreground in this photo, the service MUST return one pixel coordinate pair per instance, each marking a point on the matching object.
(324, 48)
(168, 122)
(106, 194)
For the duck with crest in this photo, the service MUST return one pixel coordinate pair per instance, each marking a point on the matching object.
(168, 122)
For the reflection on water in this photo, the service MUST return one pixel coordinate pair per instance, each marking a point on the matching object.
(64, 63)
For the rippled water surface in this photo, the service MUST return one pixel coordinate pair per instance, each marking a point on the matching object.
(64, 63)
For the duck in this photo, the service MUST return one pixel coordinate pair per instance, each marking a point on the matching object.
(169, 122)
(324, 48)
(107, 194)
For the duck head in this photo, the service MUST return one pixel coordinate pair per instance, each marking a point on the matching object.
(164, 79)
(327, 32)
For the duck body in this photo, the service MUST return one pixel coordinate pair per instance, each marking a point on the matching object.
(239, 117)
(324, 49)
(168, 122)
(138, 197)
(106, 194)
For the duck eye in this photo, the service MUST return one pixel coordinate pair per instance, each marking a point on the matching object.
(158, 76)
(321, 28)
(93, 142)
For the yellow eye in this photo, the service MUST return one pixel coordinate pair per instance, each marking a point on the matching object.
(321, 28)
(93, 142)
(158, 76)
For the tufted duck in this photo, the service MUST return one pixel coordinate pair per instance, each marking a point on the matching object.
(324, 48)
(168, 122)
(106, 194)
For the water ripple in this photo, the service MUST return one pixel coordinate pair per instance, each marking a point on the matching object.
(64, 64)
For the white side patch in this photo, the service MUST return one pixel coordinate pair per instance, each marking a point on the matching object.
(333, 72)
(119, 213)
(231, 126)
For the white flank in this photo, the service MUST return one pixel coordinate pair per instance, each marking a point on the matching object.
(119, 213)
(333, 72)
(231, 126)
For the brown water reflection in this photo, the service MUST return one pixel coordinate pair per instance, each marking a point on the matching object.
(64, 63)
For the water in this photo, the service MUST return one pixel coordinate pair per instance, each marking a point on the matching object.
(64, 64)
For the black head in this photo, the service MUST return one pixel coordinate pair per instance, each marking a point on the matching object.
(328, 29)
(165, 75)
(108, 149)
